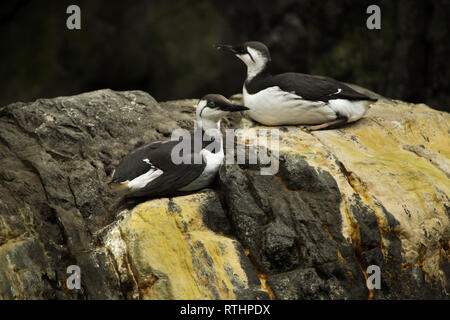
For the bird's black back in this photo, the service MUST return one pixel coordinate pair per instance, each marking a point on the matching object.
(308, 87)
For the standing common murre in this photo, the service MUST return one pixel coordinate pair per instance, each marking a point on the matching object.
(150, 171)
(295, 98)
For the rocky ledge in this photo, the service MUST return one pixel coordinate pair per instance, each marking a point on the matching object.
(372, 193)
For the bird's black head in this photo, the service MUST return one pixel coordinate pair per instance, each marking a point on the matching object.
(253, 53)
(246, 49)
(215, 106)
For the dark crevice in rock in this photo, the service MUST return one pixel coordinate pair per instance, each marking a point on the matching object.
(58, 223)
(348, 175)
(33, 169)
(294, 239)
(261, 275)
(73, 194)
(52, 283)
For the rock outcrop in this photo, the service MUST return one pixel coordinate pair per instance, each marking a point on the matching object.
(372, 193)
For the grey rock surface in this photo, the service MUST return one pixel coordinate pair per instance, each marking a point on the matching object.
(56, 156)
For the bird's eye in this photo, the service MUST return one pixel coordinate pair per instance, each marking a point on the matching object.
(211, 104)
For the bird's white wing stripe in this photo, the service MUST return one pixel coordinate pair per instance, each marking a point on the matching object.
(142, 180)
(147, 161)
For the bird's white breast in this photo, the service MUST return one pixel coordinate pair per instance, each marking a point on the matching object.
(273, 106)
(213, 162)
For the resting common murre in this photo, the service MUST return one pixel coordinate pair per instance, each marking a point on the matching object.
(295, 98)
(150, 171)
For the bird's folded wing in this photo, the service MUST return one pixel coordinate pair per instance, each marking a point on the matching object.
(171, 180)
(316, 88)
(157, 155)
(142, 159)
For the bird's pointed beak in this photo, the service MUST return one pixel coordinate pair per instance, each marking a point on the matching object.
(226, 48)
(235, 108)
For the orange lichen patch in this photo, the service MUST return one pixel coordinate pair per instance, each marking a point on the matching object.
(340, 257)
(370, 297)
(65, 289)
(265, 286)
(261, 276)
(278, 176)
(328, 232)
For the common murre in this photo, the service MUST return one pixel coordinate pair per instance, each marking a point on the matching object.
(295, 98)
(150, 171)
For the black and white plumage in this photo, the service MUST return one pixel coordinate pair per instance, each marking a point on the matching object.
(295, 98)
(150, 171)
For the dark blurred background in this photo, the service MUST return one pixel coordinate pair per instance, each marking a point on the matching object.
(166, 47)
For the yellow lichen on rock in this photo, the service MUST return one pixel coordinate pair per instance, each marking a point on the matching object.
(172, 253)
(397, 160)
(411, 187)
